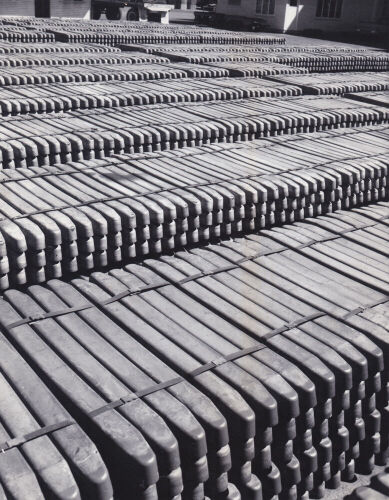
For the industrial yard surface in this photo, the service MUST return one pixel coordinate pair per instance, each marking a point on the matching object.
(194, 264)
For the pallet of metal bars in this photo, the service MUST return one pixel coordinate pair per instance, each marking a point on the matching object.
(199, 70)
(282, 448)
(113, 38)
(104, 73)
(248, 49)
(111, 33)
(56, 47)
(258, 69)
(222, 291)
(381, 98)
(25, 99)
(332, 62)
(338, 83)
(157, 222)
(162, 446)
(232, 38)
(89, 214)
(175, 439)
(181, 116)
(69, 59)
(369, 445)
(19, 35)
(213, 57)
(65, 463)
(220, 54)
(88, 134)
(299, 379)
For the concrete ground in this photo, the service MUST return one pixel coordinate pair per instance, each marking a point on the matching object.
(346, 489)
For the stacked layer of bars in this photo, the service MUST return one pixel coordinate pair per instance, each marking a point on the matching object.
(90, 214)
(202, 372)
(66, 96)
(338, 83)
(87, 134)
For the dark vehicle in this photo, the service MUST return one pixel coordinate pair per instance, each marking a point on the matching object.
(206, 14)
(119, 10)
(115, 9)
(209, 17)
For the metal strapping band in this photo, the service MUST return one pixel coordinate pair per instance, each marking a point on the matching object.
(361, 309)
(332, 237)
(229, 267)
(48, 429)
(43, 431)
(128, 293)
(115, 298)
(146, 193)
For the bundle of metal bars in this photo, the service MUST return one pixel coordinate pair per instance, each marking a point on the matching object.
(15, 34)
(313, 63)
(333, 62)
(107, 73)
(256, 69)
(223, 55)
(113, 33)
(157, 48)
(69, 59)
(109, 33)
(56, 47)
(91, 214)
(217, 372)
(317, 62)
(65, 97)
(125, 36)
(33, 140)
(338, 83)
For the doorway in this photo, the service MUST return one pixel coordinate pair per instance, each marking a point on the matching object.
(42, 8)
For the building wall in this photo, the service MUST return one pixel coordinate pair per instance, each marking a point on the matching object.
(302, 17)
(247, 8)
(17, 7)
(70, 8)
(348, 20)
(374, 17)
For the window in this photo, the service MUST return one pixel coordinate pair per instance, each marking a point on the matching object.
(385, 12)
(265, 7)
(329, 8)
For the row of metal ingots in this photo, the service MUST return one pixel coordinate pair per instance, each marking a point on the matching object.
(193, 264)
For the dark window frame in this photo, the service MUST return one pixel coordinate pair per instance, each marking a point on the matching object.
(265, 7)
(329, 9)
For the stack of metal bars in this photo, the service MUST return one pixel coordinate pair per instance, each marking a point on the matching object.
(90, 214)
(56, 47)
(107, 73)
(38, 140)
(54, 98)
(219, 365)
(337, 83)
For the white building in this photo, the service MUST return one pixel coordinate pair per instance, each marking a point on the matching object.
(46, 8)
(320, 15)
